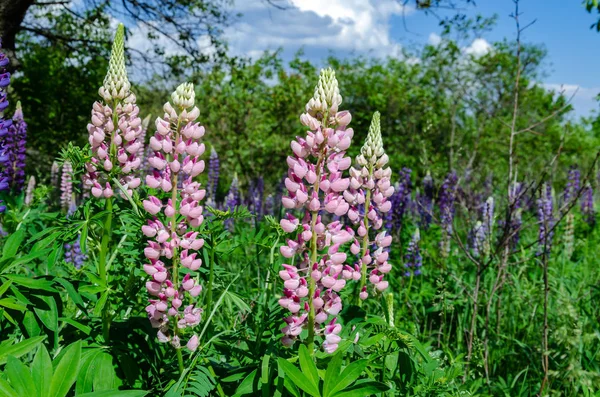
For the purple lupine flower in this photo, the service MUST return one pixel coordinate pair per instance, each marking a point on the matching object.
(270, 205)
(447, 198)
(573, 185)
(257, 192)
(477, 238)
(13, 145)
(400, 201)
(232, 200)
(213, 174)
(413, 261)
(546, 220)
(587, 205)
(425, 202)
(488, 223)
(516, 200)
(73, 253)
(5, 124)
(66, 185)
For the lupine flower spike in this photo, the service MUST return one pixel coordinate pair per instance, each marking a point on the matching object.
(314, 185)
(447, 199)
(29, 191)
(5, 124)
(400, 201)
(232, 200)
(114, 129)
(173, 245)
(370, 189)
(213, 176)
(14, 148)
(546, 220)
(73, 253)
(413, 259)
(54, 171)
(587, 205)
(66, 185)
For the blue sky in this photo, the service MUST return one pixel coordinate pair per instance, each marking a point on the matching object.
(376, 27)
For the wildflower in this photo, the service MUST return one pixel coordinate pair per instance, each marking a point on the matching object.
(573, 185)
(29, 191)
(114, 130)
(413, 261)
(257, 191)
(515, 202)
(400, 200)
(425, 202)
(73, 253)
(232, 200)
(54, 171)
(314, 186)
(447, 200)
(5, 125)
(213, 174)
(370, 188)
(587, 205)
(66, 185)
(173, 245)
(13, 144)
(546, 220)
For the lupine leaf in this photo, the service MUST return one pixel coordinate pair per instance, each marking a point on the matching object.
(332, 374)
(6, 390)
(20, 348)
(19, 376)
(308, 366)
(350, 374)
(41, 370)
(66, 371)
(363, 389)
(298, 378)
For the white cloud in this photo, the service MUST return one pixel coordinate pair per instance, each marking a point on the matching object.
(478, 47)
(359, 26)
(434, 39)
(583, 99)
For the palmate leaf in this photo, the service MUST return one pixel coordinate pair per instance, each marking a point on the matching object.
(20, 348)
(298, 378)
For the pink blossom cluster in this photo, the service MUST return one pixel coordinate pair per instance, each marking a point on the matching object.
(114, 130)
(176, 155)
(315, 185)
(368, 197)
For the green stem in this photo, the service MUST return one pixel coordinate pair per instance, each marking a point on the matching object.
(365, 243)
(312, 284)
(175, 258)
(180, 361)
(211, 275)
(105, 242)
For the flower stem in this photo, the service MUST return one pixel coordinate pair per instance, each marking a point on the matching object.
(312, 285)
(365, 243)
(211, 274)
(180, 361)
(106, 235)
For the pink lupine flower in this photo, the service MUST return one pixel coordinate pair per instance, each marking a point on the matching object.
(315, 185)
(368, 195)
(176, 157)
(114, 130)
